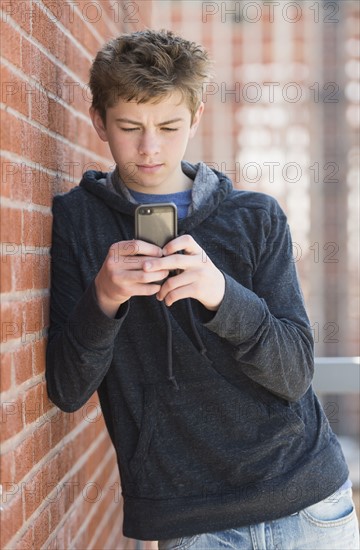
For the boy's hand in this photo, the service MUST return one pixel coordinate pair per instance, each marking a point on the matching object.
(122, 275)
(199, 279)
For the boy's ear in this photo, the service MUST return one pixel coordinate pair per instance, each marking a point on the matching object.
(196, 120)
(98, 124)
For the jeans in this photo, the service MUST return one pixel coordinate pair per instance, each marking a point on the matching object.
(328, 524)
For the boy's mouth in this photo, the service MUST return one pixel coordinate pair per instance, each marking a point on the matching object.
(149, 168)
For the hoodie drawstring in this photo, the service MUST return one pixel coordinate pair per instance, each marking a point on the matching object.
(202, 348)
(171, 376)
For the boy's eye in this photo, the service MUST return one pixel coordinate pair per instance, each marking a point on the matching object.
(170, 129)
(129, 129)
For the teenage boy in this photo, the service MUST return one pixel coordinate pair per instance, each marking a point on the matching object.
(204, 380)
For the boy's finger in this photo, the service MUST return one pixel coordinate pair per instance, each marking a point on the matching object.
(185, 243)
(136, 247)
(175, 261)
(184, 279)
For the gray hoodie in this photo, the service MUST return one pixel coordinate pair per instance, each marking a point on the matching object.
(212, 415)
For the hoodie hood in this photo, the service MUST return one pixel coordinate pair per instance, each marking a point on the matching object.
(210, 188)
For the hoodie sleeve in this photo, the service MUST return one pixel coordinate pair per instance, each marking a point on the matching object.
(268, 326)
(81, 337)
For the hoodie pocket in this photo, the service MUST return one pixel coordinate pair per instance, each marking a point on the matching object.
(210, 437)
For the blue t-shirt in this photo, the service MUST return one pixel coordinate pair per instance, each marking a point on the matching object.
(182, 199)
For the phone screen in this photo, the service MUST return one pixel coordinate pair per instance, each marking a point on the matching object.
(156, 223)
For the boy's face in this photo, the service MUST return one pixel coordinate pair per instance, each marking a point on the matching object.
(148, 142)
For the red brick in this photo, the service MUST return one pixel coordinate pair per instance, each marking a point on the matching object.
(13, 91)
(32, 494)
(41, 270)
(114, 15)
(71, 492)
(46, 230)
(12, 518)
(79, 27)
(46, 403)
(50, 113)
(60, 13)
(22, 13)
(102, 507)
(82, 540)
(27, 541)
(50, 476)
(29, 267)
(66, 460)
(57, 427)
(42, 445)
(11, 320)
(102, 24)
(102, 538)
(52, 545)
(33, 404)
(32, 144)
(10, 130)
(5, 371)
(11, 417)
(39, 347)
(49, 406)
(54, 511)
(40, 108)
(23, 363)
(7, 467)
(24, 458)
(17, 180)
(95, 459)
(64, 122)
(10, 43)
(38, 145)
(48, 34)
(77, 63)
(32, 228)
(23, 269)
(74, 419)
(41, 188)
(61, 540)
(11, 225)
(6, 272)
(37, 65)
(33, 318)
(41, 529)
(76, 94)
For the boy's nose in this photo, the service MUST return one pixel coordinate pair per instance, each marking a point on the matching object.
(149, 145)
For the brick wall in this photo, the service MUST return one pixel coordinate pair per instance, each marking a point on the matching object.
(60, 485)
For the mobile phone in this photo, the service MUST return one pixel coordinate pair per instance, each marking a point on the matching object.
(156, 223)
